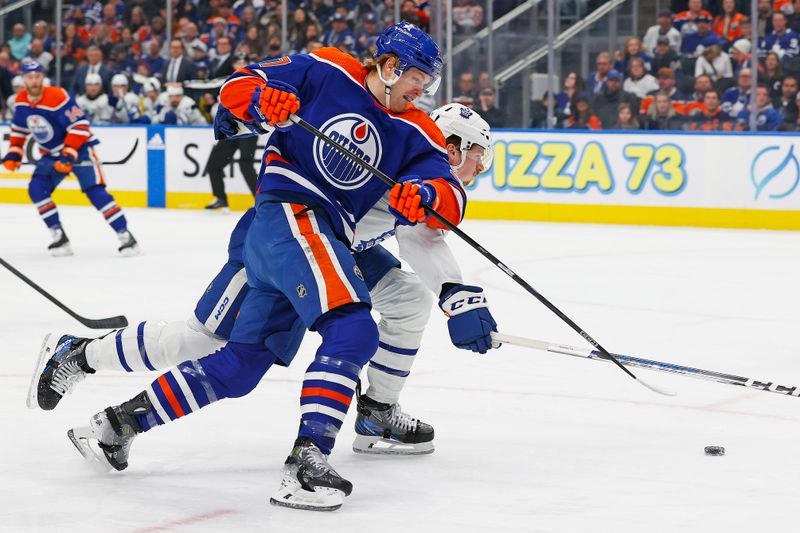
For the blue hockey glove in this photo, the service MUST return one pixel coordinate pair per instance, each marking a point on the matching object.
(470, 323)
(407, 198)
(274, 103)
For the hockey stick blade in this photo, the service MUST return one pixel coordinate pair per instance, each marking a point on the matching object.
(651, 364)
(474, 244)
(98, 323)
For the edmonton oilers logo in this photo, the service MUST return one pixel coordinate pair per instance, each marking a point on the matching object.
(42, 130)
(360, 137)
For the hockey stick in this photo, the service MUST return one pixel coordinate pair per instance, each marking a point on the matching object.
(100, 323)
(483, 251)
(670, 368)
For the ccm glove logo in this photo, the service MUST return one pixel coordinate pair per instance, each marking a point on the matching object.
(471, 301)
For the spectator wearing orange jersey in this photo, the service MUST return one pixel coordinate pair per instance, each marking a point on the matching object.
(711, 118)
(662, 115)
(684, 21)
(666, 85)
(728, 24)
(583, 118)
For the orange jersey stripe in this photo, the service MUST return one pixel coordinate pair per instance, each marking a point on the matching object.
(235, 94)
(47, 207)
(326, 393)
(446, 204)
(173, 401)
(335, 289)
(112, 211)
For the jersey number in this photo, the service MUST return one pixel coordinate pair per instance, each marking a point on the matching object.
(74, 114)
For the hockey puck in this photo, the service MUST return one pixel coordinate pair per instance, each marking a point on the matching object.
(714, 450)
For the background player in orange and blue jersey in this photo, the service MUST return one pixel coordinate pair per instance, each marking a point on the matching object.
(66, 145)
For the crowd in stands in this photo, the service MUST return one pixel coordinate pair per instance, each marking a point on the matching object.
(127, 41)
(693, 71)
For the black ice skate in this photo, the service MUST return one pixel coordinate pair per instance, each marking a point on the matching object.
(106, 442)
(129, 246)
(309, 482)
(220, 204)
(60, 246)
(61, 365)
(383, 428)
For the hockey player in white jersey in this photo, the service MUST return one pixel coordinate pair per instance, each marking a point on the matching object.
(127, 106)
(94, 102)
(180, 109)
(403, 301)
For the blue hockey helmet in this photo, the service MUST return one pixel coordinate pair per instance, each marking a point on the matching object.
(413, 48)
(30, 65)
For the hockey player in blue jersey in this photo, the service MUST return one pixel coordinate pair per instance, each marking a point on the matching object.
(296, 251)
(67, 146)
(402, 300)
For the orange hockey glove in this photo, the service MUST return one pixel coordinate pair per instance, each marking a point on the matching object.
(407, 200)
(66, 161)
(274, 103)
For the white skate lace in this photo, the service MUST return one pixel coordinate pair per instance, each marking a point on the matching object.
(318, 462)
(402, 420)
(66, 377)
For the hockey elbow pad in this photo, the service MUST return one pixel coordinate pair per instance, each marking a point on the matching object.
(469, 321)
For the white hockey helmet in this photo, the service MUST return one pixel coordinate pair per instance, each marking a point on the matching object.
(118, 80)
(174, 89)
(17, 83)
(93, 79)
(459, 120)
(152, 85)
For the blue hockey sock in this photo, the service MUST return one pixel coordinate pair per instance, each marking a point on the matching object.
(230, 372)
(349, 340)
(39, 190)
(105, 203)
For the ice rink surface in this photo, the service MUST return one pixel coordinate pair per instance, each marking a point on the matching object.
(525, 441)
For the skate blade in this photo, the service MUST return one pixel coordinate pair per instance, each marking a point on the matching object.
(292, 495)
(133, 251)
(82, 438)
(379, 446)
(45, 353)
(61, 251)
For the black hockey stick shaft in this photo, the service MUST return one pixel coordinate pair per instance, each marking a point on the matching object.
(472, 242)
(100, 323)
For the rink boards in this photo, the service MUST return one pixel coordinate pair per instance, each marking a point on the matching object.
(736, 180)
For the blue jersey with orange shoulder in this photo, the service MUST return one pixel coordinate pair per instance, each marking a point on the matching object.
(334, 98)
(55, 121)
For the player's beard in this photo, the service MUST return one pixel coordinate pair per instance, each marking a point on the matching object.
(34, 92)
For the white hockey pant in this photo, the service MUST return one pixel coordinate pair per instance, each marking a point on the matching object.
(404, 304)
(152, 345)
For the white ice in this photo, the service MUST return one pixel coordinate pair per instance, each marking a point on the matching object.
(525, 441)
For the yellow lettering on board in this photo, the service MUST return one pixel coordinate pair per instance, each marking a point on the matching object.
(592, 168)
(643, 156)
(672, 177)
(499, 177)
(519, 177)
(559, 154)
